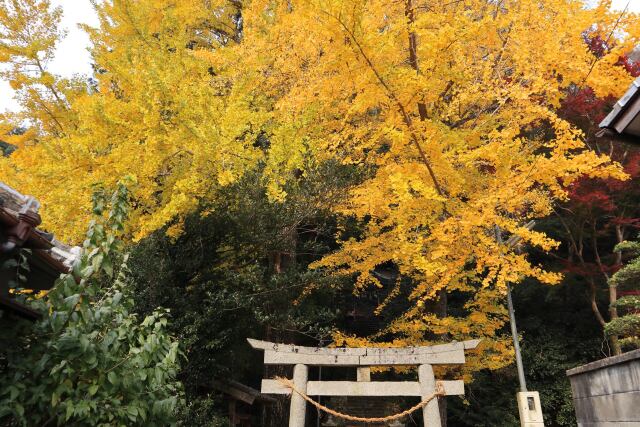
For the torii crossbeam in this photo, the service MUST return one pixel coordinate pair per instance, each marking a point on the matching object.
(363, 358)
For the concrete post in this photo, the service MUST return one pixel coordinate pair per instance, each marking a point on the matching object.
(298, 409)
(430, 412)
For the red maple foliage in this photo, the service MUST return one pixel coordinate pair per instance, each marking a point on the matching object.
(632, 67)
(600, 213)
(599, 47)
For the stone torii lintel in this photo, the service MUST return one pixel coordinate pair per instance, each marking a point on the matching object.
(287, 354)
(358, 351)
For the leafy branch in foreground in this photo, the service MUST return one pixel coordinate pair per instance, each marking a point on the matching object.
(90, 360)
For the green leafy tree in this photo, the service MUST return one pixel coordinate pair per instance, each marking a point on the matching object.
(240, 270)
(627, 325)
(91, 360)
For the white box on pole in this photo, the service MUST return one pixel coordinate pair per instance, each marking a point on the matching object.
(530, 409)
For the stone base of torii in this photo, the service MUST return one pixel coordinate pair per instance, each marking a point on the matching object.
(363, 358)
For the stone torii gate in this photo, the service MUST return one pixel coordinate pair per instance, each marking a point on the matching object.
(363, 358)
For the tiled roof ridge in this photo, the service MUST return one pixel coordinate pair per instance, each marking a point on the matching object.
(11, 198)
(13, 206)
(624, 111)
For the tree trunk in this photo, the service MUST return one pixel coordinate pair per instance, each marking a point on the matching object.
(413, 51)
(441, 307)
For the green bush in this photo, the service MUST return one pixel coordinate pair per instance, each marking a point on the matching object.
(91, 361)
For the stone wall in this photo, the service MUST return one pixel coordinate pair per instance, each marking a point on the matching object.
(606, 393)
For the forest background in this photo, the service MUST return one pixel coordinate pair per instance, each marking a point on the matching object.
(338, 172)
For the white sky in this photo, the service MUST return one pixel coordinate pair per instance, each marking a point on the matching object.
(72, 56)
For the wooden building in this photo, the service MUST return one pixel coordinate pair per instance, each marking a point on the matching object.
(623, 122)
(246, 404)
(21, 241)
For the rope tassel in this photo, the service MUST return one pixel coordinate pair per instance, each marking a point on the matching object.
(438, 392)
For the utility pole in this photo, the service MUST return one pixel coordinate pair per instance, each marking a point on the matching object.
(529, 407)
(516, 342)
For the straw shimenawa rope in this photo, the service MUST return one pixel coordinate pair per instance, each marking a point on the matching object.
(438, 392)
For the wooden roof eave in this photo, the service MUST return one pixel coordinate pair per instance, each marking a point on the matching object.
(624, 117)
(9, 304)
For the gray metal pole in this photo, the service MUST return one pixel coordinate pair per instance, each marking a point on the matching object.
(512, 315)
(516, 343)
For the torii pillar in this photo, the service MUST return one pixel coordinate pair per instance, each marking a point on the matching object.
(298, 409)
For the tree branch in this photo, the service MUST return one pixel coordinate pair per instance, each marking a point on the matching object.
(392, 95)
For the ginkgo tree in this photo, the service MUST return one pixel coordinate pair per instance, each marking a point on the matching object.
(154, 109)
(454, 105)
(448, 106)
(29, 31)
